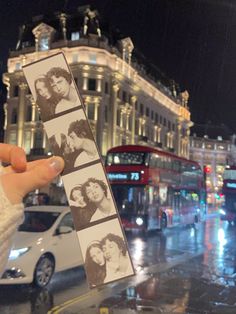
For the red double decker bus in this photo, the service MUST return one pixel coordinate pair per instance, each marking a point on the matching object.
(228, 210)
(155, 189)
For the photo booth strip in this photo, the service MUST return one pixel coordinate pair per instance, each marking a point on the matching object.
(63, 114)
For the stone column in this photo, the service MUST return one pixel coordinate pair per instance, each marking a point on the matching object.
(100, 123)
(21, 113)
(63, 17)
(133, 101)
(178, 139)
(113, 115)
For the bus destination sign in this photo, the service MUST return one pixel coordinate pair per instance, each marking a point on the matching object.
(124, 176)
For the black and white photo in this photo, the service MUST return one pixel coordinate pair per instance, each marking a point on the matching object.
(60, 81)
(81, 210)
(52, 86)
(105, 252)
(95, 216)
(46, 99)
(94, 190)
(73, 130)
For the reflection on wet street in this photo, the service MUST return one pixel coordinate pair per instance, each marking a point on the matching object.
(182, 270)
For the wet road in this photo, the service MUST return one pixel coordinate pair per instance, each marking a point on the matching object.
(183, 270)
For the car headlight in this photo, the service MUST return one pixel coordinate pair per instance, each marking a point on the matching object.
(14, 254)
(139, 221)
(222, 212)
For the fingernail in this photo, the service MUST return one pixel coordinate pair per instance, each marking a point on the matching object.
(56, 164)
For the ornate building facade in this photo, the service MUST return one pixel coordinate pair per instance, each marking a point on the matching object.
(213, 147)
(123, 104)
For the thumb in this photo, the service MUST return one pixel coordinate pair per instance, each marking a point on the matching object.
(17, 185)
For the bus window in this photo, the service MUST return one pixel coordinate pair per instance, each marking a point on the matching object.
(131, 200)
(127, 158)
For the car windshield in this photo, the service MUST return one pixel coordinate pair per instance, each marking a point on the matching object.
(38, 221)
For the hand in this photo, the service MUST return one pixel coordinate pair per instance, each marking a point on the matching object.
(21, 177)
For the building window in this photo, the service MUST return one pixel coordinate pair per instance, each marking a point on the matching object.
(152, 115)
(169, 125)
(156, 117)
(44, 42)
(92, 84)
(18, 66)
(16, 91)
(141, 109)
(91, 111)
(75, 36)
(136, 105)
(14, 116)
(147, 112)
(27, 141)
(118, 117)
(106, 113)
(12, 138)
(92, 58)
(173, 127)
(38, 139)
(106, 88)
(164, 122)
(124, 96)
(160, 119)
(28, 116)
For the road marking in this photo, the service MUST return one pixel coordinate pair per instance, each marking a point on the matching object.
(143, 275)
(57, 309)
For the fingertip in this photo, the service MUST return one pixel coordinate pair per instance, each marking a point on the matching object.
(18, 159)
(57, 164)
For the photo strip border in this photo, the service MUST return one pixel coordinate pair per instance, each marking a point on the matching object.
(65, 113)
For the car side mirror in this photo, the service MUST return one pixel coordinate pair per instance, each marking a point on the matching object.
(64, 229)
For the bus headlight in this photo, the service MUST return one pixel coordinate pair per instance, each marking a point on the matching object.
(222, 212)
(139, 221)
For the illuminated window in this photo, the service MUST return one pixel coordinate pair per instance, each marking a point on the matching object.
(93, 58)
(44, 42)
(27, 141)
(75, 36)
(18, 66)
(12, 138)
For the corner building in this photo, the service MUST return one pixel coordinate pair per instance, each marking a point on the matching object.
(123, 103)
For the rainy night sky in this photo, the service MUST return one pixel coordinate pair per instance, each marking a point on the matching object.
(191, 41)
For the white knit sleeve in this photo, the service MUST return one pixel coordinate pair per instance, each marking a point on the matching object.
(10, 217)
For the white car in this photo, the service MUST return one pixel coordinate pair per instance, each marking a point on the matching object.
(46, 242)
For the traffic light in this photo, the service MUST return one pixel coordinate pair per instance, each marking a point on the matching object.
(207, 169)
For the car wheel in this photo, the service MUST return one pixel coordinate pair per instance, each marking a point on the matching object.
(44, 271)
